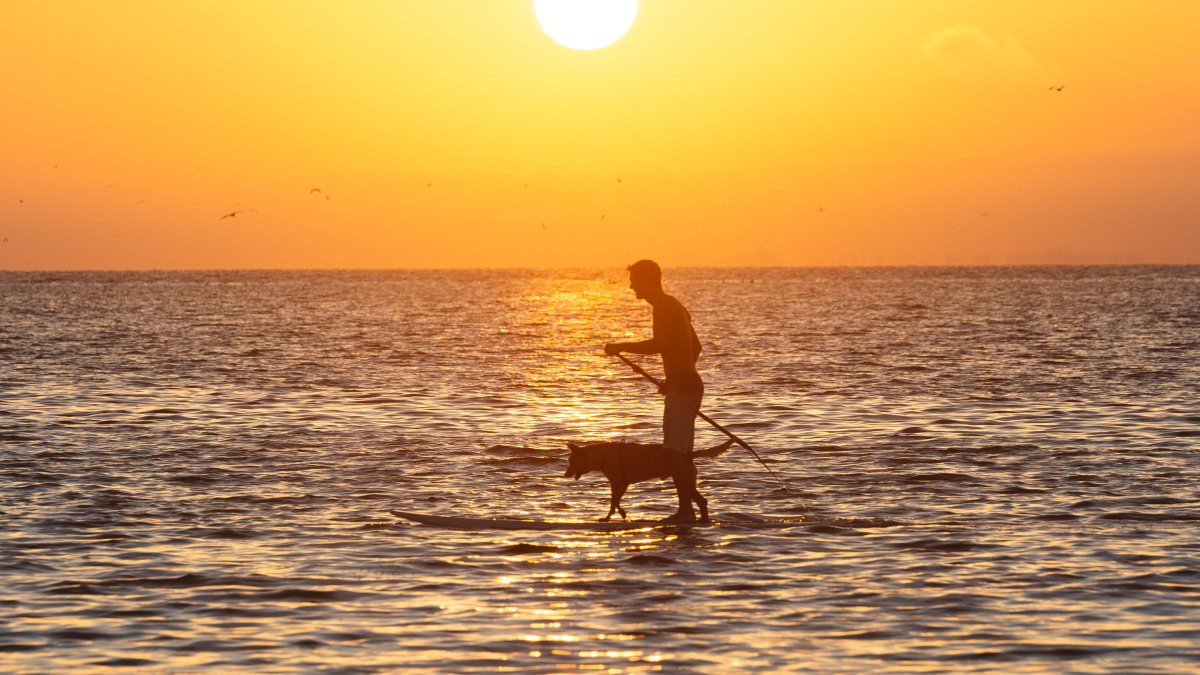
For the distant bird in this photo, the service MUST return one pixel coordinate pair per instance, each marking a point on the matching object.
(525, 185)
(1058, 88)
(820, 209)
(234, 214)
(6, 240)
(318, 191)
(618, 180)
(601, 216)
(985, 214)
(543, 226)
(429, 185)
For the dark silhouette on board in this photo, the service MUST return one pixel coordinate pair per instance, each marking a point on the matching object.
(683, 389)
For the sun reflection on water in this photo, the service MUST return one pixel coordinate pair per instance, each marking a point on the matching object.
(555, 331)
(545, 612)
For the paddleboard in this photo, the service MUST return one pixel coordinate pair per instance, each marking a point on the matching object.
(594, 526)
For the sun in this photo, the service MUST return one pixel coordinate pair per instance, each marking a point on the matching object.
(585, 24)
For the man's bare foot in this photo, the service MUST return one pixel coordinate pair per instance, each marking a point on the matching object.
(680, 517)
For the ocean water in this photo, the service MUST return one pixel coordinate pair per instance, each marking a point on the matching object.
(996, 469)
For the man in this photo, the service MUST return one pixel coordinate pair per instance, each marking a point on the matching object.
(676, 340)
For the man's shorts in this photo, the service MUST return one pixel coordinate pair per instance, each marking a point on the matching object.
(679, 418)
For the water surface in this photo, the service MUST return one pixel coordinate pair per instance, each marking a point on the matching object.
(997, 468)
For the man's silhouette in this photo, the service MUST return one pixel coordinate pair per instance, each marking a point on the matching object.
(676, 340)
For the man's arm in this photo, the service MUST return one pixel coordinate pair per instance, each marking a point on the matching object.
(644, 347)
(651, 346)
(663, 327)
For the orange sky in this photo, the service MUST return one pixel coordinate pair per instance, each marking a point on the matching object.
(447, 133)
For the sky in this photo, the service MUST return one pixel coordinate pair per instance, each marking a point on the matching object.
(456, 133)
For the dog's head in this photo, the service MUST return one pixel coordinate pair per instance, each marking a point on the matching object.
(577, 461)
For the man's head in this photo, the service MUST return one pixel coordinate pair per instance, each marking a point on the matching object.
(645, 278)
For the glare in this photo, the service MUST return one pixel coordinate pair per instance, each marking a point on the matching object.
(585, 24)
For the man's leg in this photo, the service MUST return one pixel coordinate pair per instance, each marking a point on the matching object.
(683, 473)
(679, 433)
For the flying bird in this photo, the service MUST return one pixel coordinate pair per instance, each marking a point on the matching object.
(1058, 88)
(318, 191)
(234, 214)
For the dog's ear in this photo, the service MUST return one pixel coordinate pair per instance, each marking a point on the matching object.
(573, 460)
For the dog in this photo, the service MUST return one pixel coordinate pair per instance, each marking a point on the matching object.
(624, 463)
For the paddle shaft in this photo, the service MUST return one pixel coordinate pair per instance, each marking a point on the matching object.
(640, 371)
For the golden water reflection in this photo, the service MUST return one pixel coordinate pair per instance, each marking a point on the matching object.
(548, 605)
(555, 329)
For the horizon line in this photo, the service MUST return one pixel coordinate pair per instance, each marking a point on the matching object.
(548, 269)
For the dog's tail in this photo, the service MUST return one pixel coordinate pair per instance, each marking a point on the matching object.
(715, 451)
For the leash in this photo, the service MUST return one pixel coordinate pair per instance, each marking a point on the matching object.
(638, 369)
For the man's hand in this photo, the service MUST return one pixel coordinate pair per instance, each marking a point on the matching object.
(612, 349)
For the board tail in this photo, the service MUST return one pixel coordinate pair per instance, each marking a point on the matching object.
(715, 451)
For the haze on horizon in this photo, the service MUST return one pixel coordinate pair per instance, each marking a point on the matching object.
(405, 133)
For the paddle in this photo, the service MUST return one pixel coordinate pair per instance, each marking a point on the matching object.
(638, 369)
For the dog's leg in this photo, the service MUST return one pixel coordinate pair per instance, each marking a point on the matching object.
(701, 502)
(614, 504)
(694, 495)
